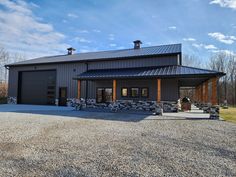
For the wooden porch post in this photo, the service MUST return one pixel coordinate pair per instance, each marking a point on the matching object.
(214, 91)
(197, 93)
(79, 89)
(114, 91)
(158, 90)
(206, 92)
(201, 93)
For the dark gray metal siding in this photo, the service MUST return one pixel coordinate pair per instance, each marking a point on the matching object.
(128, 63)
(67, 71)
(169, 88)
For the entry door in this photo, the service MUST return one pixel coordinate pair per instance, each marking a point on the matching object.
(104, 95)
(62, 96)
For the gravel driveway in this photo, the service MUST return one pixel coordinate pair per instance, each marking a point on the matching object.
(47, 141)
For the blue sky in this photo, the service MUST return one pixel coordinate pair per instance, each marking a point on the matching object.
(47, 27)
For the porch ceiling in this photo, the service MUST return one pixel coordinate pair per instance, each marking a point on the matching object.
(188, 76)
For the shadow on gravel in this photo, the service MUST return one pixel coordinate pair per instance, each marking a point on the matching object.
(98, 114)
(126, 117)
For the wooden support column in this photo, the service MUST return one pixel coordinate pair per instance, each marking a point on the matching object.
(114, 91)
(197, 93)
(206, 92)
(158, 90)
(79, 89)
(201, 93)
(214, 91)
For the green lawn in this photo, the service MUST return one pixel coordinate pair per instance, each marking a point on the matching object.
(228, 114)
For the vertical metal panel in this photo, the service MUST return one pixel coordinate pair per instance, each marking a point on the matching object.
(169, 90)
(127, 63)
(65, 73)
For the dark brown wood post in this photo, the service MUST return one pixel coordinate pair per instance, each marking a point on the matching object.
(206, 92)
(79, 89)
(158, 90)
(214, 91)
(114, 91)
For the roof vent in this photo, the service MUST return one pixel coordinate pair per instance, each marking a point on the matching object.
(137, 44)
(70, 50)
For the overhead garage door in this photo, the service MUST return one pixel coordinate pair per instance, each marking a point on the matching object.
(37, 87)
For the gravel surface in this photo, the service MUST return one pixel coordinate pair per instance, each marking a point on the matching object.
(37, 142)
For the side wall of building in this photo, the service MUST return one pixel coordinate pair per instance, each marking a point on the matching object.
(67, 71)
(169, 88)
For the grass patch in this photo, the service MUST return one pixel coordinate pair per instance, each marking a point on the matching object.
(228, 114)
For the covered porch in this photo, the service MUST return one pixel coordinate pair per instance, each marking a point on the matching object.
(152, 84)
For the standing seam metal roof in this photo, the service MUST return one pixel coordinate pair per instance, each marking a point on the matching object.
(164, 71)
(106, 55)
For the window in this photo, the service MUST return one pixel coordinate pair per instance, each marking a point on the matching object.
(144, 92)
(134, 92)
(124, 92)
(104, 95)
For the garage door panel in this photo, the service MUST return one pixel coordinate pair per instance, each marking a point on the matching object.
(36, 87)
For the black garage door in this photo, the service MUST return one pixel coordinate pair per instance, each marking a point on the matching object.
(37, 87)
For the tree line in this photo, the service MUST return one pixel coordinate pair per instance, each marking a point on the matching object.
(223, 62)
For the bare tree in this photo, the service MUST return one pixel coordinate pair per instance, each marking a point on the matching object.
(4, 59)
(191, 60)
(225, 63)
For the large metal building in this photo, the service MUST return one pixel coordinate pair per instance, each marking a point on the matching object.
(149, 73)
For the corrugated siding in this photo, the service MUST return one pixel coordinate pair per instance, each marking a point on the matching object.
(128, 63)
(169, 90)
(65, 73)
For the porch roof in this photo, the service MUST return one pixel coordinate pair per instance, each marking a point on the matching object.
(174, 71)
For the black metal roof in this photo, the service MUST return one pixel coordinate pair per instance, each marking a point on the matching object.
(105, 55)
(164, 71)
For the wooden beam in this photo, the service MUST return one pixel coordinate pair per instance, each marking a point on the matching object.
(206, 92)
(158, 90)
(114, 91)
(79, 89)
(197, 93)
(201, 93)
(214, 91)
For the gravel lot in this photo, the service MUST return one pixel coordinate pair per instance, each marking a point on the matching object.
(47, 141)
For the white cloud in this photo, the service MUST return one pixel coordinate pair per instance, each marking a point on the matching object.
(225, 3)
(111, 37)
(208, 47)
(23, 32)
(81, 39)
(120, 47)
(96, 31)
(172, 27)
(223, 38)
(189, 39)
(72, 15)
(82, 31)
(228, 52)
(113, 45)
(148, 43)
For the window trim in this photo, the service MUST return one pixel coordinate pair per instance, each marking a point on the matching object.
(131, 92)
(122, 92)
(147, 92)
